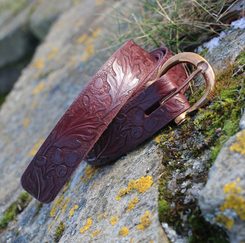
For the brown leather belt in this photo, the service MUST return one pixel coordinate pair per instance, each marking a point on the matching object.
(132, 96)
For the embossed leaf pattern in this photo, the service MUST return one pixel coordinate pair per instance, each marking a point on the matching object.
(85, 120)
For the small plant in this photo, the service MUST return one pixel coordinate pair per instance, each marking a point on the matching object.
(59, 231)
(181, 25)
(14, 209)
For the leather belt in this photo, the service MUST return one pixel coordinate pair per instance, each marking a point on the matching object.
(132, 96)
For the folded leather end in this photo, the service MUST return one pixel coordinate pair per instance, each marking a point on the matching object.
(28, 187)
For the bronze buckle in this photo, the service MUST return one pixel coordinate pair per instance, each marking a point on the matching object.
(202, 66)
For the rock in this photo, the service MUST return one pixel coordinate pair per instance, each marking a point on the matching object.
(242, 122)
(89, 208)
(45, 13)
(15, 40)
(22, 23)
(222, 51)
(222, 200)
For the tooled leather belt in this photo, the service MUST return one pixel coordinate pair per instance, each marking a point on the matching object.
(132, 96)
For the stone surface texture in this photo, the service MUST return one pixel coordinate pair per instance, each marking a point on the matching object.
(71, 53)
(222, 200)
(89, 206)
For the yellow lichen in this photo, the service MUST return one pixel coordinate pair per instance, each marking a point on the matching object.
(232, 187)
(131, 240)
(39, 64)
(88, 42)
(227, 222)
(35, 147)
(65, 205)
(88, 173)
(236, 203)
(99, 2)
(95, 233)
(52, 53)
(113, 220)
(39, 88)
(101, 216)
(26, 122)
(145, 221)
(124, 231)
(141, 185)
(239, 145)
(234, 199)
(157, 139)
(132, 203)
(87, 226)
(72, 210)
(58, 203)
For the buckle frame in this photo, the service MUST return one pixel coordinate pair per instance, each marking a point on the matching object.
(202, 66)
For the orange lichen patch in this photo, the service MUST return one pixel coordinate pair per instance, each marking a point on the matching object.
(145, 221)
(88, 42)
(26, 122)
(96, 233)
(124, 231)
(239, 145)
(89, 173)
(141, 185)
(39, 64)
(35, 147)
(157, 139)
(132, 203)
(52, 53)
(227, 222)
(39, 88)
(234, 199)
(72, 210)
(114, 220)
(87, 226)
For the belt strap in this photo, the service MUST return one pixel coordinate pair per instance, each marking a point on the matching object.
(128, 100)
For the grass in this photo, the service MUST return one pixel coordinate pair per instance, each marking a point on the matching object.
(14, 209)
(181, 25)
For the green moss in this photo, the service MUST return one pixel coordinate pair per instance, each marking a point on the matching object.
(59, 231)
(203, 232)
(12, 5)
(14, 209)
(208, 129)
(2, 98)
(163, 209)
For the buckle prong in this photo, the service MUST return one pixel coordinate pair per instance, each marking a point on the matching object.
(202, 66)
